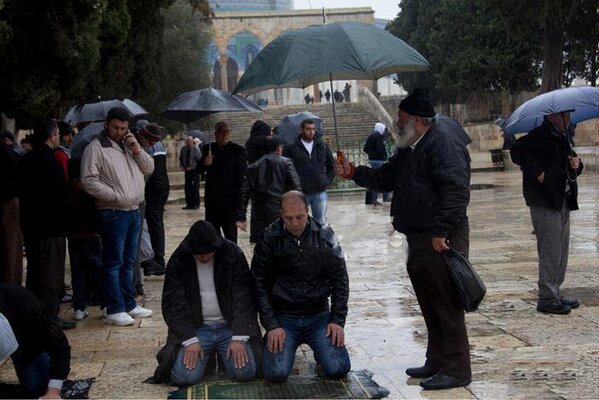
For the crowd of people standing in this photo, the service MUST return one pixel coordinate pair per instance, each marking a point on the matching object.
(297, 285)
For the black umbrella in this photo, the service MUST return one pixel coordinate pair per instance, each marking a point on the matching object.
(197, 104)
(97, 110)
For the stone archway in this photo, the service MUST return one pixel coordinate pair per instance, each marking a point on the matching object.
(265, 26)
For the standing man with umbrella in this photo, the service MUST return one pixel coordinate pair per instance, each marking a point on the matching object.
(227, 190)
(549, 170)
(430, 177)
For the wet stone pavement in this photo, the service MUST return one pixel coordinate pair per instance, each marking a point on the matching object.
(516, 351)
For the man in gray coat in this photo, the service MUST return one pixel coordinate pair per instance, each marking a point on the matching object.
(188, 160)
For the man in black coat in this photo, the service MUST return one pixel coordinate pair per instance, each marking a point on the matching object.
(313, 161)
(226, 193)
(42, 360)
(269, 177)
(430, 179)
(156, 195)
(377, 155)
(549, 170)
(298, 264)
(208, 305)
(44, 205)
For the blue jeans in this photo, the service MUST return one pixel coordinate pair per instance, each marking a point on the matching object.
(376, 164)
(311, 330)
(120, 237)
(85, 254)
(212, 338)
(318, 206)
(34, 376)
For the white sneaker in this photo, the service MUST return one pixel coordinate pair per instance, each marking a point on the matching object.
(120, 319)
(80, 315)
(140, 312)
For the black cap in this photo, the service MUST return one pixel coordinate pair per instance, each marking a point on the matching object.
(202, 238)
(418, 103)
(64, 128)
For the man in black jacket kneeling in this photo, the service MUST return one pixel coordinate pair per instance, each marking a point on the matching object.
(297, 265)
(208, 305)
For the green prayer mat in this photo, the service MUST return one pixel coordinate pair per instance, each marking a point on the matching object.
(357, 385)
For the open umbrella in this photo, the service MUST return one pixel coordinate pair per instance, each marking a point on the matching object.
(289, 127)
(338, 51)
(196, 133)
(582, 101)
(97, 110)
(197, 104)
(84, 137)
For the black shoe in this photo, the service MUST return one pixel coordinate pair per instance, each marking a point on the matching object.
(139, 290)
(440, 382)
(571, 302)
(153, 268)
(421, 372)
(187, 208)
(64, 325)
(554, 308)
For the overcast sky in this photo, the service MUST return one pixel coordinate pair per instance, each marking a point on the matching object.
(386, 9)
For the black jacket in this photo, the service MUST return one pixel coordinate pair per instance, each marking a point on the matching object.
(430, 184)
(43, 194)
(316, 171)
(269, 177)
(226, 179)
(375, 147)
(297, 277)
(544, 149)
(182, 307)
(34, 330)
(158, 184)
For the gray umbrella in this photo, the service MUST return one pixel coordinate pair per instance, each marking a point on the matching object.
(97, 110)
(84, 137)
(191, 106)
(289, 127)
(195, 133)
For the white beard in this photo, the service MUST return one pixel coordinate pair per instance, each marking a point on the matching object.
(405, 136)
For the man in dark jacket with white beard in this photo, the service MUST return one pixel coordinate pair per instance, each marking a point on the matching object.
(208, 305)
(430, 179)
(269, 177)
(297, 265)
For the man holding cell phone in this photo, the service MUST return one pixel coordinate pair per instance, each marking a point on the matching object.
(112, 171)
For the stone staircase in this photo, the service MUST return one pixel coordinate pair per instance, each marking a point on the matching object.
(354, 122)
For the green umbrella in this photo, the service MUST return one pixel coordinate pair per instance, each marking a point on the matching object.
(337, 51)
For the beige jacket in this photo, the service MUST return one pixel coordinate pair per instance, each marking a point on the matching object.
(115, 178)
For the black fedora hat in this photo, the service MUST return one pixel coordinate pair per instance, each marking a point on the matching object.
(202, 238)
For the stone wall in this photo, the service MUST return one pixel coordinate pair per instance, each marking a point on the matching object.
(486, 136)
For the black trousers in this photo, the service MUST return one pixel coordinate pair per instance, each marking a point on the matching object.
(223, 219)
(45, 270)
(448, 350)
(155, 218)
(192, 189)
